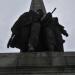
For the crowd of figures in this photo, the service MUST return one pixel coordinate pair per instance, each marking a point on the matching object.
(34, 31)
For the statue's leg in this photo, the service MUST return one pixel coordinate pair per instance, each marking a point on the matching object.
(34, 37)
(50, 39)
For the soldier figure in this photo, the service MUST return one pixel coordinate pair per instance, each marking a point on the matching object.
(25, 31)
(53, 33)
(48, 33)
(20, 32)
(59, 30)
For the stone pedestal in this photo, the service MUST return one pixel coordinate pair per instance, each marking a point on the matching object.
(40, 63)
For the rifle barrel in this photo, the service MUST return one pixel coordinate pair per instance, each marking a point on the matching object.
(53, 10)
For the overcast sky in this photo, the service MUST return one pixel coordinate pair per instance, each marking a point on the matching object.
(12, 9)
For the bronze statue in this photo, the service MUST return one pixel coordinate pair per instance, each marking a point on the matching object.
(37, 30)
(33, 32)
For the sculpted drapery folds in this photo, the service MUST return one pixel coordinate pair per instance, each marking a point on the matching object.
(25, 31)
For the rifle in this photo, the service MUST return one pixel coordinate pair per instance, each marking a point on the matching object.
(53, 11)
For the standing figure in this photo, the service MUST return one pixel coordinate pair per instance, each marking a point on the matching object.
(48, 33)
(59, 30)
(21, 31)
(52, 33)
(26, 30)
(34, 40)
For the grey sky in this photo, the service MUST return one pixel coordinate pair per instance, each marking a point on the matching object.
(12, 9)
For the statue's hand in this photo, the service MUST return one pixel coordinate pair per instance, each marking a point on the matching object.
(65, 33)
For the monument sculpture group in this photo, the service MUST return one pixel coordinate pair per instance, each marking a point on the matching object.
(37, 30)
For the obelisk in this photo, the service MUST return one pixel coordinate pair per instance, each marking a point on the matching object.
(38, 4)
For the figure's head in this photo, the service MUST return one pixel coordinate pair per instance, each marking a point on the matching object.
(40, 12)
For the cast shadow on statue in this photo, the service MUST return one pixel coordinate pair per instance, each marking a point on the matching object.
(36, 32)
